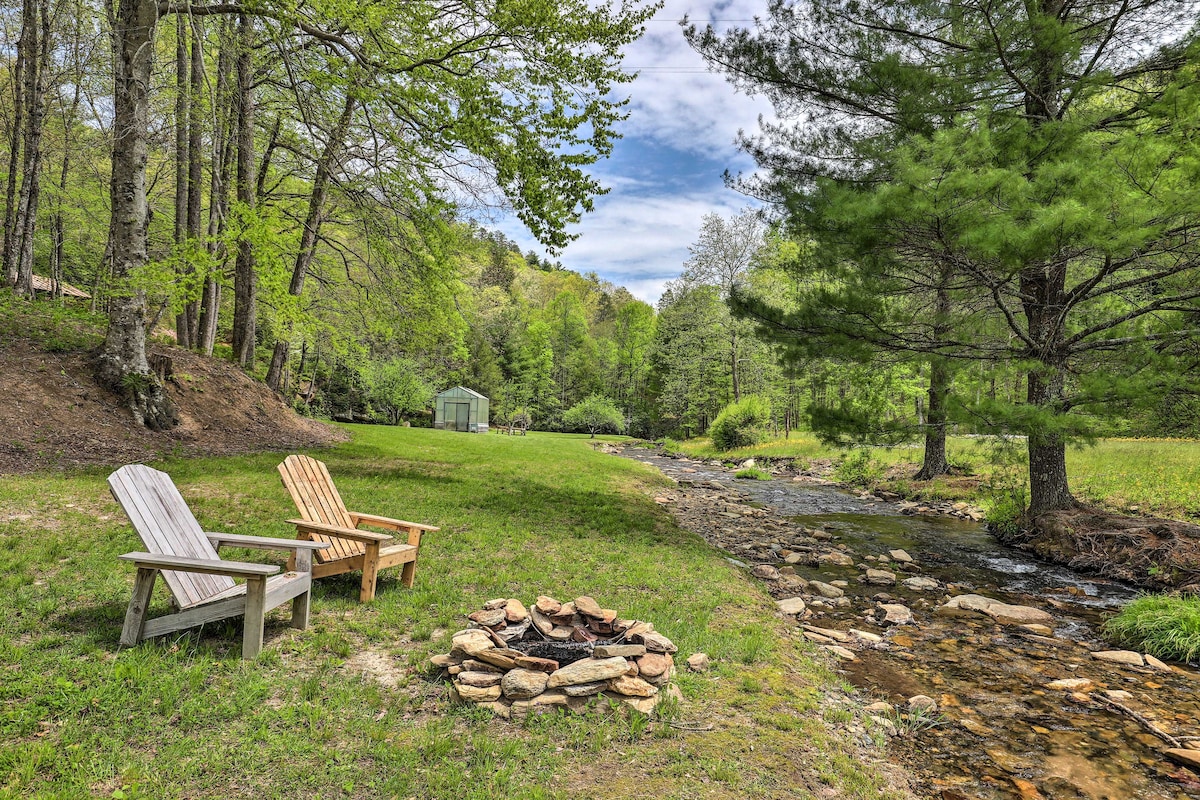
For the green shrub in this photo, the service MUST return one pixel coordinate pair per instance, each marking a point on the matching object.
(753, 474)
(741, 424)
(1166, 626)
(857, 467)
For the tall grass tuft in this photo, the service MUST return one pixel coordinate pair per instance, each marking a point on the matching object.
(1165, 626)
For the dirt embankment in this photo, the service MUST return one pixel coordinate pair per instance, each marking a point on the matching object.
(1152, 553)
(53, 415)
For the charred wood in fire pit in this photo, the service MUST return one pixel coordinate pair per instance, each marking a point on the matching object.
(562, 652)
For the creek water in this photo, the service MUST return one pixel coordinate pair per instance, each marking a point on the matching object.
(1000, 732)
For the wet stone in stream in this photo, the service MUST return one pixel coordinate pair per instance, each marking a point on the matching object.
(1001, 731)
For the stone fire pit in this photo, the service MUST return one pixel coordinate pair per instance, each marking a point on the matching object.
(514, 660)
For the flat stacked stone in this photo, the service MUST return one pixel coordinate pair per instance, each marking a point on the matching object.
(486, 667)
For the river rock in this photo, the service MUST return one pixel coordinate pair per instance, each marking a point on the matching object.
(515, 611)
(632, 687)
(476, 694)
(488, 618)
(656, 642)
(652, 665)
(1001, 612)
(546, 665)
(541, 620)
(470, 642)
(841, 652)
(879, 707)
(1039, 630)
(835, 558)
(588, 607)
(881, 577)
(866, 636)
(895, 614)
(588, 670)
(1120, 657)
(497, 657)
(1154, 663)
(1071, 685)
(901, 556)
(790, 606)
(922, 703)
(547, 605)
(522, 684)
(766, 572)
(585, 689)
(1120, 695)
(622, 650)
(1185, 756)
(921, 584)
(698, 662)
(825, 589)
(481, 680)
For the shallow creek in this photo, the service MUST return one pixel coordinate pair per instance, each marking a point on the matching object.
(1002, 733)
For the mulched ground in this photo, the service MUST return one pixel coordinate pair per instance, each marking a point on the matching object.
(53, 415)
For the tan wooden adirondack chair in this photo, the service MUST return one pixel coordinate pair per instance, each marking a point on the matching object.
(201, 582)
(327, 520)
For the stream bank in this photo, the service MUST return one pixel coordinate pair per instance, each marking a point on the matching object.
(1015, 704)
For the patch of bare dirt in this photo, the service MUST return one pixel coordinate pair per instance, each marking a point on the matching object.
(53, 414)
(377, 666)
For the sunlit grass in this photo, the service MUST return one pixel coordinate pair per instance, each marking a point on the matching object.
(1159, 477)
(183, 716)
(1164, 626)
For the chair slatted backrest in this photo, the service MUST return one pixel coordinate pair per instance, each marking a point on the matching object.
(317, 499)
(167, 526)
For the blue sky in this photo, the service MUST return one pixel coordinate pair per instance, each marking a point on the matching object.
(665, 174)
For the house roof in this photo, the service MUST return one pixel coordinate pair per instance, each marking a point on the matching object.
(41, 284)
(471, 392)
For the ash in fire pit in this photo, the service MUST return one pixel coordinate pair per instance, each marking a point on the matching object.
(556, 654)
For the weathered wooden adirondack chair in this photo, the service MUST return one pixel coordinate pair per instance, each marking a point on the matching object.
(201, 582)
(327, 520)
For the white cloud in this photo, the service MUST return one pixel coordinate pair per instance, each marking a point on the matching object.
(676, 100)
(639, 233)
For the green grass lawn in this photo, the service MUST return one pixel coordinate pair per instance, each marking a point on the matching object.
(1148, 476)
(346, 708)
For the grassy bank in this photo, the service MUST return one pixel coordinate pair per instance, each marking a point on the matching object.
(1156, 477)
(346, 708)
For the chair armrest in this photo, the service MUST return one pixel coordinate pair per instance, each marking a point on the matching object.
(304, 526)
(263, 542)
(234, 569)
(387, 522)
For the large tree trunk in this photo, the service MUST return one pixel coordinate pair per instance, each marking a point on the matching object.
(9, 254)
(312, 225)
(1048, 487)
(218, 205)
(195, 177)
(122, 364)
(245, 280)
(183, 331)
(936, 462)
(37, 65)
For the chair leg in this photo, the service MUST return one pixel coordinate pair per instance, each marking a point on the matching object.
(135, 615)
(256, 601)
(370, 572)
(409, 573)
(300, 603)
